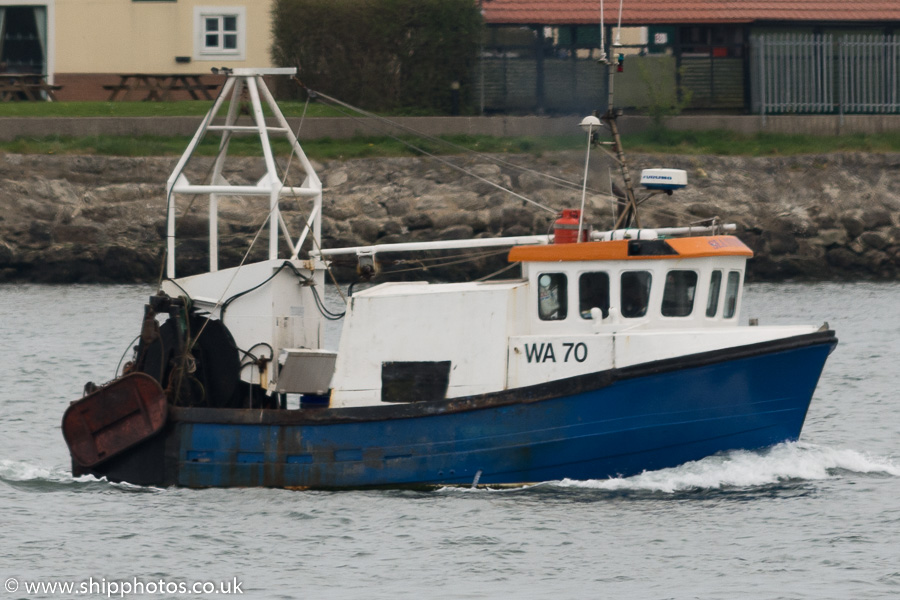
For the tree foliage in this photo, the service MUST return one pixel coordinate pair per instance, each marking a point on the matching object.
(380, 54)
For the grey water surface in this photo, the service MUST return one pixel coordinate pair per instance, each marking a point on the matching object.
(816, 519)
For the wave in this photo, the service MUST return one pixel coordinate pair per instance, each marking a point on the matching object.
(19, 471)
(28, 475)
(786, 462)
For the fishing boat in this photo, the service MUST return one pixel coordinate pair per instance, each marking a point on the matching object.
(614, 352)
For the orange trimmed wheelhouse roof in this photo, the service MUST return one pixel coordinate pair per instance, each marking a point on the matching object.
(675, 248)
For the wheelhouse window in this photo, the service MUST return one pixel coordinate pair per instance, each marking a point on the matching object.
(552, 296)
(593, 292)
(678, 294)
(220, 32)
(715, 286)
(635, 293)
(731, 294)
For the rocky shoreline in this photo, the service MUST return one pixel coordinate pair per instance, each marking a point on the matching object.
(90, 219)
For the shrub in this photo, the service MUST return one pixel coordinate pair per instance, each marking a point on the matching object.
(380, 54)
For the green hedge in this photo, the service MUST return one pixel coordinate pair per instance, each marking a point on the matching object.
(381, 54)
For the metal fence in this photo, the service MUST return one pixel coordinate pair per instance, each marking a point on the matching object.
(511, 84)
(869, 72)
(713, 82)
(806, 73)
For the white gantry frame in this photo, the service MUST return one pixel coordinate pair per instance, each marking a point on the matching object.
(270, 184)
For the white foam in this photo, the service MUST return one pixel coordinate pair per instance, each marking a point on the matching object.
(487, 488)
(784, 462)
(20, 471)
(15, 470)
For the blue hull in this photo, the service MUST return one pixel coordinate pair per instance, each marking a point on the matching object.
(614, 423)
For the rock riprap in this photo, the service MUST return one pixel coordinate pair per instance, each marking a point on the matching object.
(102, 219)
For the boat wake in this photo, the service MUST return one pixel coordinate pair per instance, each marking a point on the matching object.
(786, 463)
(29, 476)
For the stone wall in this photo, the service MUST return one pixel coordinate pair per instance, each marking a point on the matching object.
(102, 219)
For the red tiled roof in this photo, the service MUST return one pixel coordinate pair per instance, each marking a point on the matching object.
(651, 12)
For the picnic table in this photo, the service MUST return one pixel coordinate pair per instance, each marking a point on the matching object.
(158, 86)
(26, 86)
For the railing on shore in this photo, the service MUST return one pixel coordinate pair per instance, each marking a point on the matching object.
(806, 73)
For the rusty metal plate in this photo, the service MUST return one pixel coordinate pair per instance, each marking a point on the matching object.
(114, 418)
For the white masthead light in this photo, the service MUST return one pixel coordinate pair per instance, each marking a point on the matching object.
(590, 122)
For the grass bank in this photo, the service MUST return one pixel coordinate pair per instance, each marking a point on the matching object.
(187, 108)
(655, 142)
(321, 149)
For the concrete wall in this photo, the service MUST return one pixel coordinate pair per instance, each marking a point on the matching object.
(313, 128)
(793, 124)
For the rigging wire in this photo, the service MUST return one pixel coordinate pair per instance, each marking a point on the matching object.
(233, 275)
(448, 263)
(224, 305)
(561, 182)
(439, 262)
(287, 167)
(438, 259)
(498, 271)
(443, 160)
(315, 242)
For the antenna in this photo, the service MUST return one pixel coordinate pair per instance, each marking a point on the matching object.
(619, 26)
(588, 124)
(628, 212)
(603, 58)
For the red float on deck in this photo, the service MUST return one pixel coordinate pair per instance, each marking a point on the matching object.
(565, 230)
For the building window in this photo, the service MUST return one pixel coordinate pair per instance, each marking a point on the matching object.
(552, 298)
(23, 40)
(220, 32)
